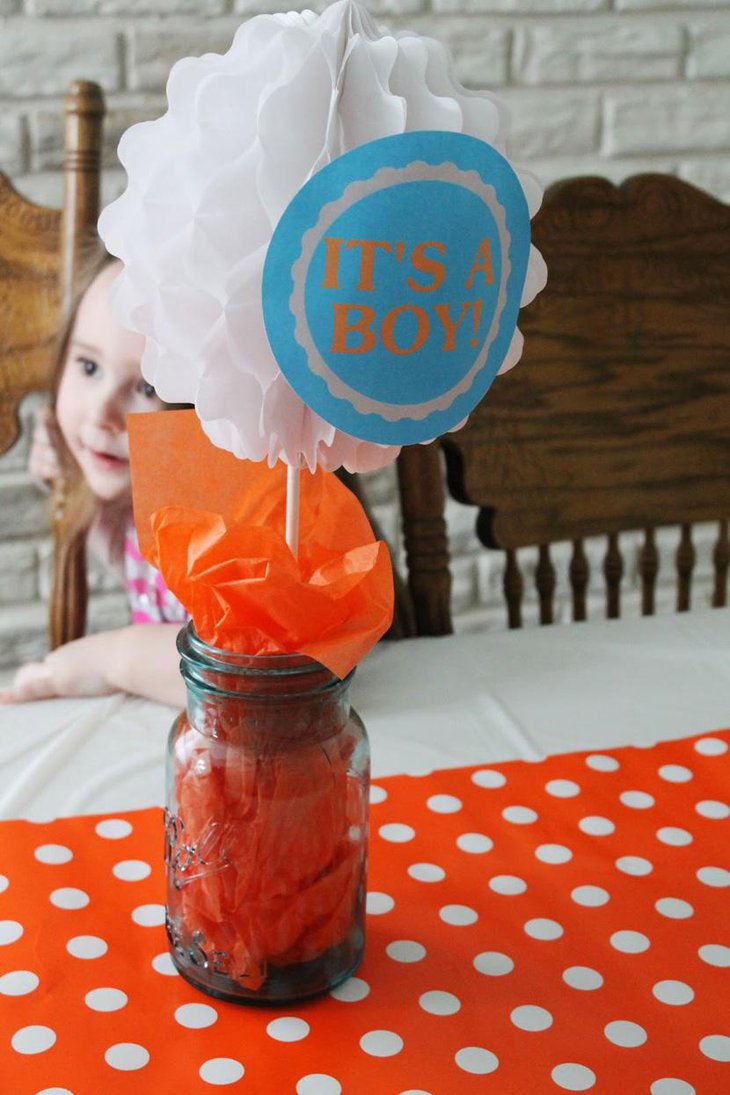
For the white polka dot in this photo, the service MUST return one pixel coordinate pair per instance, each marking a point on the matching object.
(436, 1002)
(53, 854)
(716, 1047)
(541, 928)
(126, 1056)
(637, 800)
(673, 992)
(553, 853)
(530, 1017)
(68, 897)
(630, 942)
(18, 983)
(287, 1029)
(381, 1043)
(674, 908)
(458, 915)
(3, 883)
(488, 778)
(351, 991)
(493, 963)
(55, 1091)
(163, 963)
(675, 773)
(670, 1085)
(415, 1091)
(583, 978)
(149, 916)
(714, 876)
(33, 1039)
(573, 1077)
(476, 843)
(625, 1034)
(519, 815)
(711, 747)
(377, 794)
(396, 833)
(106, 999)
(444, 804)
(600, 762)
(507, 884)
(131, 870)
(195, 1016)
(405, 950)
(318, 1083)
(426, 872)
(86, 946)
(715, 954)
(10, 930)
(591, 897)
(562, 788)
(477, 1061)
(376, 904)
(634, 865)
(596, 826)
(220, 1071)
(113, 828)
(676, 838)
(712, 809)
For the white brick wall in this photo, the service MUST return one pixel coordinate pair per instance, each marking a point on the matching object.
(602, 86)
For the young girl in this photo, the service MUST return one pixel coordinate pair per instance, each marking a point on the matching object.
(97, 383)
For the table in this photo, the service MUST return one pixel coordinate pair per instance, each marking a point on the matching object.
(427, 703)
(557, 925)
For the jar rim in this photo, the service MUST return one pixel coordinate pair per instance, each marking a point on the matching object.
(207, 666)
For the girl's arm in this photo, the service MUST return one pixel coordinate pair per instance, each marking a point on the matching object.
(141, 659)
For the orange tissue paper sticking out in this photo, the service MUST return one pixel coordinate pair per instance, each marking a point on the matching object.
(214, 526)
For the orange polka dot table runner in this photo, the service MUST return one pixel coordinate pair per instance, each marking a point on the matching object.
(532, 927)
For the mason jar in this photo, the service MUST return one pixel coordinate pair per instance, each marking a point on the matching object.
(265, 826)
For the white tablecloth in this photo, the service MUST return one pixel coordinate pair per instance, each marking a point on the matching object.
(427, 703)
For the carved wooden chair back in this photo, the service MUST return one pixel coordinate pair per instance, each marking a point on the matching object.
(40, 250)
(618, 416)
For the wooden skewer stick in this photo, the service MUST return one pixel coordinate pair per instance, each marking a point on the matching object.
(292, 510)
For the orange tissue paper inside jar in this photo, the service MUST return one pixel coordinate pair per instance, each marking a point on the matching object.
(214, 526)
(283, 875)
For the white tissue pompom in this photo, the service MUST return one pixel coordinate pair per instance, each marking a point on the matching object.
(209, 180)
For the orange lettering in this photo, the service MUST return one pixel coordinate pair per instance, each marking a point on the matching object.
(450, 328)
(367, 259)
(483, 262)
(361, 326)
(387, 330)
(332, 263)
(425, 265)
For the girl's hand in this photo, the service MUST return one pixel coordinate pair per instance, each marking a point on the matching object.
(43, 462)
(75, 669)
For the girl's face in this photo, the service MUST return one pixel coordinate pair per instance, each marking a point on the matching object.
(101, 383)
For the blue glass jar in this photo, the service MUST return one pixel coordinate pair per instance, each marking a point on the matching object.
(266, 826)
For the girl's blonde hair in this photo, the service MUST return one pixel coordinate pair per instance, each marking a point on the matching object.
(74, 501)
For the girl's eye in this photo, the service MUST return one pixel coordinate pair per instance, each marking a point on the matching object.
(88, 365)
(146, 389)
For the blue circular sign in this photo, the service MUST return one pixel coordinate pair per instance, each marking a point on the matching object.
(393, 281)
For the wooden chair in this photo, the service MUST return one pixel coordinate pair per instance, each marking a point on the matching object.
(618, 416)
(39, 255)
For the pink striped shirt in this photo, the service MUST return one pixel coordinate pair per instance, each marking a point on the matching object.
(150, 601)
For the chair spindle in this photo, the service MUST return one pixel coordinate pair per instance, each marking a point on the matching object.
(648, 568)
(579, 572)
(513, 588)
(545, 582)
(721, 559)
(685, 560)
(613, 569)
